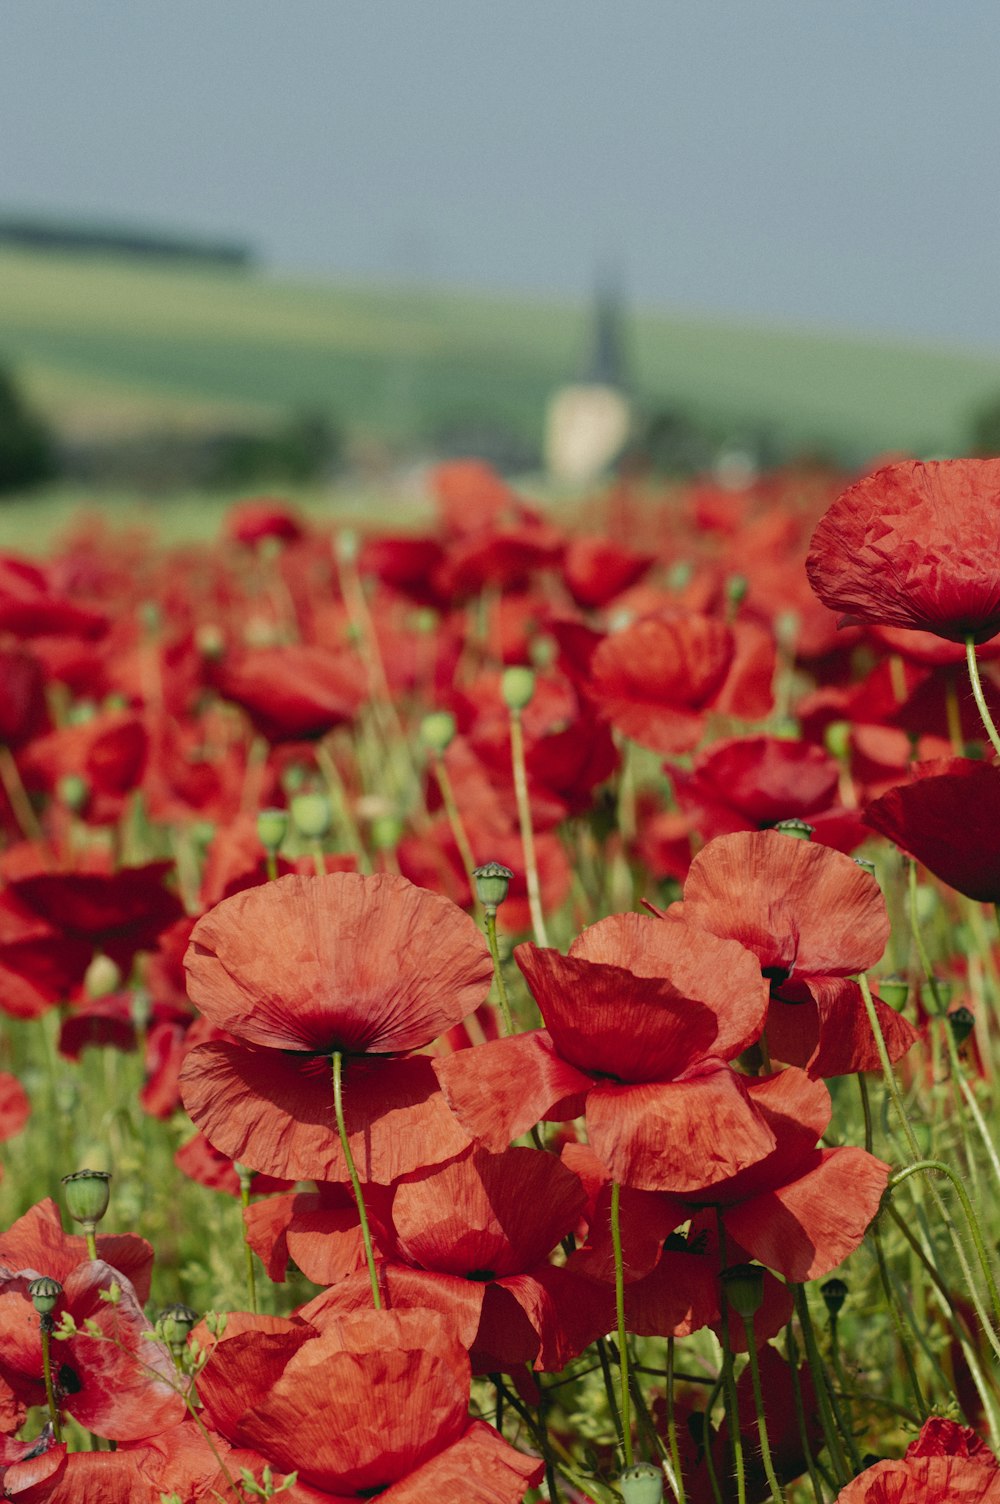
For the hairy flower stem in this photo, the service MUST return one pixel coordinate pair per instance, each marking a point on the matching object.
(792, 1354)
(244, 1176)
(626, 1399)
(832, 1422)
(970, 1217)
(758, 1399)
(675, 1455)
(978, 696)
(338, 1107)
(919, 1163)
(50, 1393)
(729, 1377)
(527, 832)
(491, 940)
(458, 831)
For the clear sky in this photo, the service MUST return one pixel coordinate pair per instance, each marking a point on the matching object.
(834, 163)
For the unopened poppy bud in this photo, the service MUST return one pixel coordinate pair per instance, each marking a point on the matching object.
(837, 737)
(961, 1022)
(737, 586)
(87, 1195)
(437, 731)
(74, 791)
(744, 1287)
(102, 977)
(174, 1324)
(834, 1293)
(492, 882)
(800, 830)
(386, 832)
(517, 686)
(272, 827)
(894, 990)
(642, 1483)
(311, 815)
(44, 1293)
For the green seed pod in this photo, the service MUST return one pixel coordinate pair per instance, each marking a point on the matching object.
(744, 1287)
(272, 827)
(44, 1293)
(641, 1484)
(87, 1195)
(834, 1293)
(311, 815)
(837, 737)
(386, 832)
(492, 882)
(894, 991)
(73, 791)
(174, 1324)
(800, 830)
(517, 687)
(437, 731)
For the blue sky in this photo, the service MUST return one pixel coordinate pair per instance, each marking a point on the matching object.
(831, 163)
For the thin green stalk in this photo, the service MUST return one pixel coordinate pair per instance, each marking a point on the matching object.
(527, 832)
(491, 940)
(455, 821)
(824, 1400)
(50, 1394)
(609, 1385)
(247, 1250)
(729, 1376)
(616, 1243)
(972, 1221)
(338, 1107)
(758, 1399)
(707, 1439)
(792, 1354)
(977, 693)
(675, 1454)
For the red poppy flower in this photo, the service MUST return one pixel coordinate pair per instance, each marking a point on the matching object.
(14, 1106)
(294, 692)
(640, 1022)
(947, 1464)
(37, 1241)
(813, 918)
(596, 569)
(117, 1383)
(472, 1240)
(371, 967)
(262, 517)
(947, 818)
(319, 1231)
(374, 1404)
(915, 545)
(23, 711)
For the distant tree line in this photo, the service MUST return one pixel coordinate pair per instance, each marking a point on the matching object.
(53, 235)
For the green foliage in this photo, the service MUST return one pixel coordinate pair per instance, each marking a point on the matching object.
(27, 454)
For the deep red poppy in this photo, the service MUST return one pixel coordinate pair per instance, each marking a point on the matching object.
(374, 1404)
(947, 1464)
(371, 967)
(15, 1108)
(813, 918)
(915, 545)
(319, 1231)
(37, 1241)
(262, 517)
(640, 1023)
(23, 711)
(596, 569)
(294, 692)
(947, 817)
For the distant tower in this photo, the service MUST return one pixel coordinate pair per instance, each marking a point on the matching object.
(588, 424)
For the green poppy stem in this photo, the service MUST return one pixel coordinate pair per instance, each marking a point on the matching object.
(626, 1398)
(244, 1177)
(977, 694)
(491, 940)
(527, 831)
(338, 1107)
(758, 1399)
(50, 1393)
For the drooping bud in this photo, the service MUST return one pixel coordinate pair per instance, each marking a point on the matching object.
(311, 815)
(517, 686)
(272, 827)
(800, 830)
(44, 1293)
(961, 1022)
(744, 1287)
(437, 731)
(834, 1293)
(642, 1483)
(87, 1195)
(492, 881)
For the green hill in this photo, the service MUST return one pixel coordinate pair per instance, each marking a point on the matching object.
(107, 344)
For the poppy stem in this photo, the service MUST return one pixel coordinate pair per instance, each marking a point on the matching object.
(971, 1220)
(758, 1399)
(830, 1419)
(978, 696)
(338, 1107)
(792, 1354)
(626, 1398)
(675, 1455)
(50, 1393)
(244, 1178)
(458, 830)
(729, 1376)
(527, 832)
(491, 940)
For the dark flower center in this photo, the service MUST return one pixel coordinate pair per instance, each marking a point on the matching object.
(69, 1380)
(481, 1275)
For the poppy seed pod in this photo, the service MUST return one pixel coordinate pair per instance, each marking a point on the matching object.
(834, 1293)
(272, 827)
(311, 815)
(87, 1195)
(437, 731)
(492, 882)
(174, 1324)
(744, 1287)
(799, 830)
(894, 990)
(44, 1293)
(517, 687)
(641, 1484)
(961, 1023)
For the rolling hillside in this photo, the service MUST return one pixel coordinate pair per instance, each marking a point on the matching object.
(110, 345)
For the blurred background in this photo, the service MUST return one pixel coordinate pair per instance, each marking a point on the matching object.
(319, 245)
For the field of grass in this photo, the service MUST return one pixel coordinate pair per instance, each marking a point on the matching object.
(106, 342)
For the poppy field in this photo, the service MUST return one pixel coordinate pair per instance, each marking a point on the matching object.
(509, 1009)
